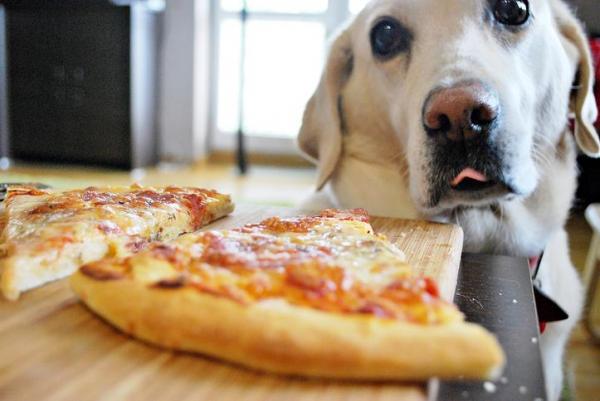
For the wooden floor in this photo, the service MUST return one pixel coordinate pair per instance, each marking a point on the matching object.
(287, 187)
(269, 185)
(583, 359)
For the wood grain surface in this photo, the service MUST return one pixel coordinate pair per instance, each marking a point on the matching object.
(53, 348)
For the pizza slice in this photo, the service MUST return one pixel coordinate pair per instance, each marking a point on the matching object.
(319, 296)
(48, 234)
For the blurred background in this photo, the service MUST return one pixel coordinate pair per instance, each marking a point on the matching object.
(153, 85)
(99, 92)
(129, 84)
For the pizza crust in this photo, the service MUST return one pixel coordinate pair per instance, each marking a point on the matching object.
(23, 272)
(291, 340)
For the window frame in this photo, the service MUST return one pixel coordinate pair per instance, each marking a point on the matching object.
(337, 12)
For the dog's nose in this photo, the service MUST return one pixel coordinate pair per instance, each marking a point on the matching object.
(461, 112)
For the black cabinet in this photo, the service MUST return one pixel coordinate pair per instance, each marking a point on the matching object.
(81, 81)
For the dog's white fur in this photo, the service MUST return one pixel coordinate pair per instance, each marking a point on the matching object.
(363, 129)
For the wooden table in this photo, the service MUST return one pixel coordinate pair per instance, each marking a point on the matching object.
(591, 274)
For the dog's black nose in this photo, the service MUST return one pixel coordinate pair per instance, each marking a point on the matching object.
(461, 112)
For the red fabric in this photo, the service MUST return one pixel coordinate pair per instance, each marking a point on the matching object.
(533, 263)
(595, 46)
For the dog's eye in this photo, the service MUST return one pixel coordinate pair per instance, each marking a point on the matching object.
(389, 38)
(511, 12)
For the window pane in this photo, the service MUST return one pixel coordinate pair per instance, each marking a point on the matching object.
(283, 65)
(281, 72)
(356, 6)
(231, 5)
(281, 6)
(229, 75)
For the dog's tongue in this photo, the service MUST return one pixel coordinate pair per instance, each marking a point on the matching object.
(469, 173)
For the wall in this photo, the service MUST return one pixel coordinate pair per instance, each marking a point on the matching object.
(589, 12)
(3, 88)
(185, 77)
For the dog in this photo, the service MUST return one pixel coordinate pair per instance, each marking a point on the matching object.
(458, 111)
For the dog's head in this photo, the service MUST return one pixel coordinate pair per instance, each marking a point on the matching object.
(472, 93)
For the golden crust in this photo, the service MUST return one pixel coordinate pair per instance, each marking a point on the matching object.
(2, 220)
(286, 339)
(2, 225)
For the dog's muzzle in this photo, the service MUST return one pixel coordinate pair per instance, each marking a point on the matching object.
(461, 123)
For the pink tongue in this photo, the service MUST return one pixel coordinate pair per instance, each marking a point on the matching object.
(469, 173)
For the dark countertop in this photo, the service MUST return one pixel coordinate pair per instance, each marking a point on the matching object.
(496, 292)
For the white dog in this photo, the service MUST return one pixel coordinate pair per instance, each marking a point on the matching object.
(457, 110)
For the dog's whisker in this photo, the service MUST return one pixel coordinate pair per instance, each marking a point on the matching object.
(541, 159)
(541, 156)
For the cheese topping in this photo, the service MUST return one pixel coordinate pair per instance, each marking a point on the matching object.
(135, 215)
(332, 262)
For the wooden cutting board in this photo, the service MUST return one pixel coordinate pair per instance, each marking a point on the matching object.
(53, 348)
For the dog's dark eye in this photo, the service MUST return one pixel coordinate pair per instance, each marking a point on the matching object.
(511, 12)
(389, 38)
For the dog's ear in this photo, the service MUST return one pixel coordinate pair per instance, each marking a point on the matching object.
(583, 104)
(320, 137)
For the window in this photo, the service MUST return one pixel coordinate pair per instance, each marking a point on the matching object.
(268, 65)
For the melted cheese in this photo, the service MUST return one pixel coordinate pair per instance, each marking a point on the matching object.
(328, 262)
(124, 215)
